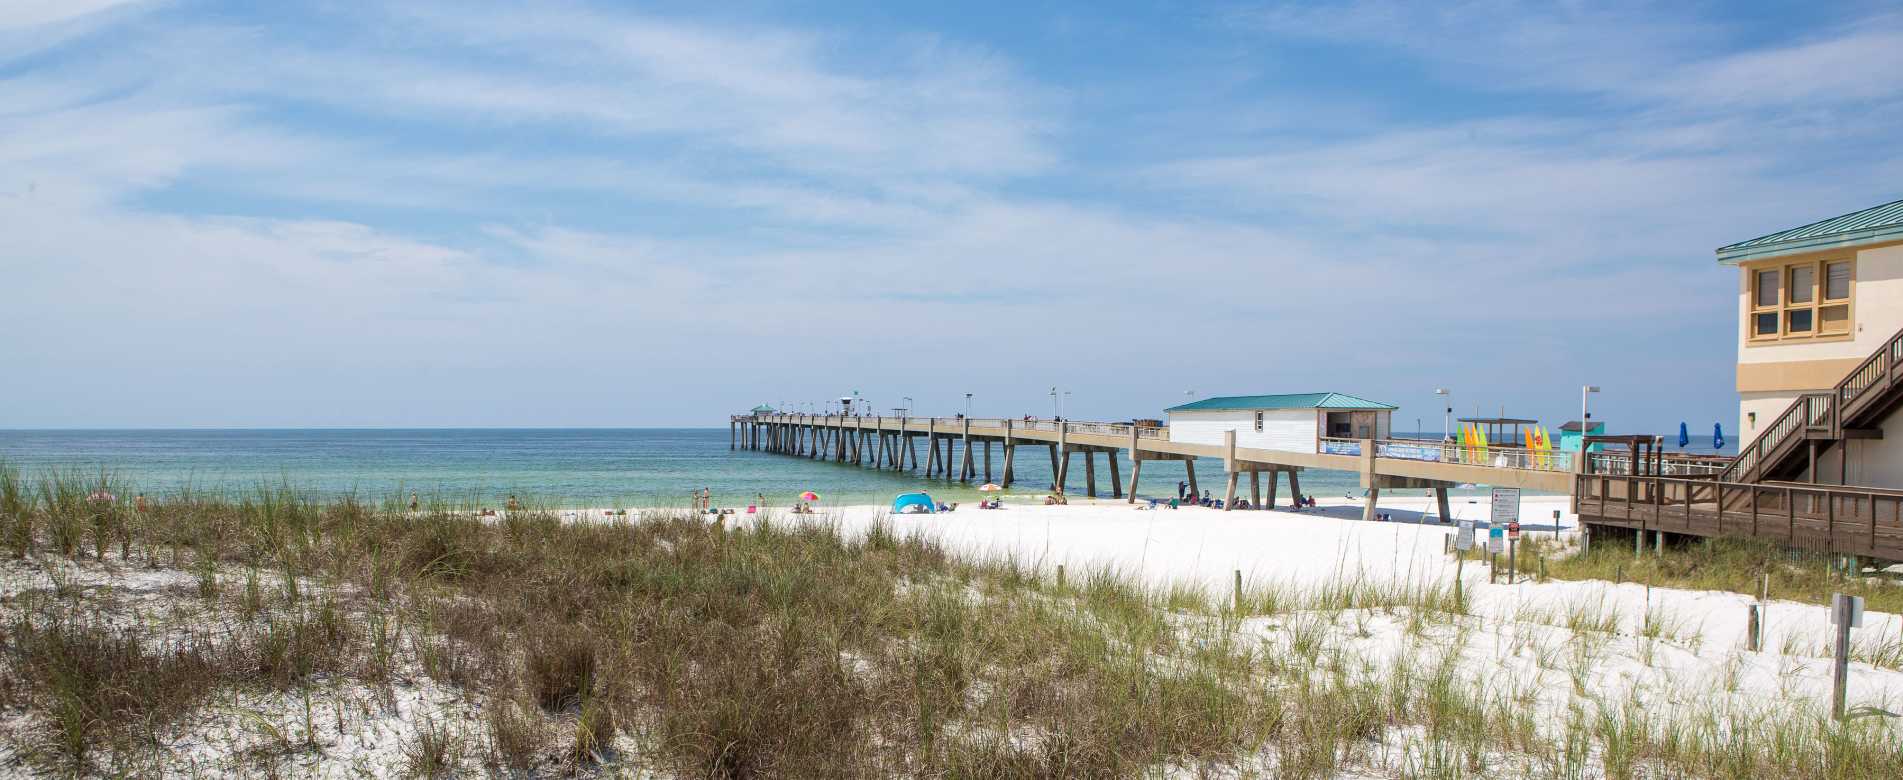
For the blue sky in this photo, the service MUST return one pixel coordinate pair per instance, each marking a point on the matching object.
(591, 215)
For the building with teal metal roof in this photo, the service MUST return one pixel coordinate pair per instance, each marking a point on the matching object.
(1874, 225)
(1284, 401)
(1817, 306)
(1293, 422)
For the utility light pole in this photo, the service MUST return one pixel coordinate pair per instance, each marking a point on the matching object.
(967, 406)
(1447, 414)
(1585, 418)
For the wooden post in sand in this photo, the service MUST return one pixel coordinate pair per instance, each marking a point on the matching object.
(1229, 467)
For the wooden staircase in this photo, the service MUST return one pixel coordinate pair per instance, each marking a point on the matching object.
(1855, 408)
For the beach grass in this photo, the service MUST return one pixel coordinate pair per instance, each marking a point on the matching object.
(1729, 564)
(679, 647)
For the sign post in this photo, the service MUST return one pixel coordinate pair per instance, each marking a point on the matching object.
(1513, 547)
(1463, 541)
(1846, 612)
(1496, 544)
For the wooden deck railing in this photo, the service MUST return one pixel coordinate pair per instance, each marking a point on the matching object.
(1830, 518)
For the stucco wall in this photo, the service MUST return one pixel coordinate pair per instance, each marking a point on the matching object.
(1874, 463)
(1288, 430)
(1767, 405)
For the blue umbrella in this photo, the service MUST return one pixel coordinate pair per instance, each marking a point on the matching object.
(1717, 436)
(1684, 436)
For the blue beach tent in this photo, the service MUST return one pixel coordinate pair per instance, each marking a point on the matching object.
(913, 504)
(1684, 436)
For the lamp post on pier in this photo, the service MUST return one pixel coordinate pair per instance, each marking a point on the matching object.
(967, 406)
(1585, 417)
(1447, 412)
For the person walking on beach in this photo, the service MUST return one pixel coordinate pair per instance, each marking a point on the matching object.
(412, 502)
(138, 503)
(1181, 488)
(513, 504)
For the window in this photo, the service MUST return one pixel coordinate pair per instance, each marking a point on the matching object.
(1258, 422)
(1800, 301)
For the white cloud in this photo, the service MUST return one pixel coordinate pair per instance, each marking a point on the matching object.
(21, 14)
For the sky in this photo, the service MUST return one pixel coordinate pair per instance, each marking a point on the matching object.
(466, 214)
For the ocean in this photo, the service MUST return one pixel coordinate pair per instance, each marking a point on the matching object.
(560, 467)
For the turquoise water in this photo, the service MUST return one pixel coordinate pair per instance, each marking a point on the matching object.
(576, 467)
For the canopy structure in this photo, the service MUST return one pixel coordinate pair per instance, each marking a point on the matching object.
(914, 504)
(1501, 431)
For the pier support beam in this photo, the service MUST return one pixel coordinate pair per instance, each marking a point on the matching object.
(1008, 450)
(987, 461)
(1189, 465)
(1367, 507)
(1062, 467)
(966, 469)
(1440, 500)
(1294, 486)
(1090, 473)
(1275, 478)
(1255, 489)
(1116, 478)
(1229, 467)
(1136, 471)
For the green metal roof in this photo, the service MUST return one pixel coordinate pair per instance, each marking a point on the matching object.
(762, 409)
(1283, 401)
(1869, 226)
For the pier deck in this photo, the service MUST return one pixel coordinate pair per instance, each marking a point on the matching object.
(1847, 521)
(961, 448)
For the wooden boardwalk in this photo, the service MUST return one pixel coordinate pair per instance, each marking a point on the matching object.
(1842, 520)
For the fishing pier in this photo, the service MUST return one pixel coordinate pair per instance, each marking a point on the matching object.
(962, 449)
(1625, 491)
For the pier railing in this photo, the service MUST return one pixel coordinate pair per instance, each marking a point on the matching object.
(950, 424)
(1453, 452)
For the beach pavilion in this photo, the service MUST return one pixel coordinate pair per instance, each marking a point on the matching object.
(1333, 423)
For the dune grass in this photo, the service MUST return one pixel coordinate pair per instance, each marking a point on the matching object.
(1731, 564)
(676, 647)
